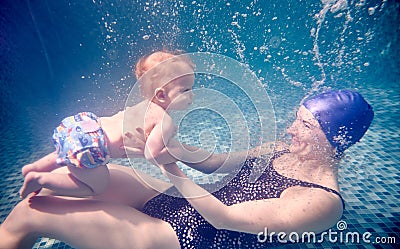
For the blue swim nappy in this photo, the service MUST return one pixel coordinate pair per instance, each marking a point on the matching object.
(80, 141)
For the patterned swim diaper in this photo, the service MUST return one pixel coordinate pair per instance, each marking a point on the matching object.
(81, 142)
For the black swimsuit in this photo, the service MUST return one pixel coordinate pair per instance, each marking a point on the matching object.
(193, 231)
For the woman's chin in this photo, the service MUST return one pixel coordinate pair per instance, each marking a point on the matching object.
(294, 147)
(299, 149)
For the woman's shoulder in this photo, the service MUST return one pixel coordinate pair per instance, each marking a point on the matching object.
(319, 193)
(313, 204)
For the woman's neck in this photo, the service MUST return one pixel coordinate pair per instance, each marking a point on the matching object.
(323, 172)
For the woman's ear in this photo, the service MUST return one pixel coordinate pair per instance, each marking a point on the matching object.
(159, 94)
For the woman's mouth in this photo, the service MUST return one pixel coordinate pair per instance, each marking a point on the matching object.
(295, 140)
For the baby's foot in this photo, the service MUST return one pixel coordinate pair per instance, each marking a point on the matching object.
(31, 184)
(28, 168)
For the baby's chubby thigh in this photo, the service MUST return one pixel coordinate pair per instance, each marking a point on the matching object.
(97, 179)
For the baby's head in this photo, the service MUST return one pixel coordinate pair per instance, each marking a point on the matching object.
(148, 61)
(163, 75)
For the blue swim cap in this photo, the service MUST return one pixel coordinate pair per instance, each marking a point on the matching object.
(343, 115)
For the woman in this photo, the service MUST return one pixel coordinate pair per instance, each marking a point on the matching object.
(296, 192)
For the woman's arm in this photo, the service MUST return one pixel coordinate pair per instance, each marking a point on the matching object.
(219, 163)
(298, 210)
(194, 157)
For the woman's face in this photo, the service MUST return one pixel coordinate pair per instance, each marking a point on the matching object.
(308, 139)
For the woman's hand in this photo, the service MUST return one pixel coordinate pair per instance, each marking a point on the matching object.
(134, 143)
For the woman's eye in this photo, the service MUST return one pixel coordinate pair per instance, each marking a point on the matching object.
(307, 125)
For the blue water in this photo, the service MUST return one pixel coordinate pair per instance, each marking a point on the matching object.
(61, 57)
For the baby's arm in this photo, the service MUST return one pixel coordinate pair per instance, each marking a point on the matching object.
(159, 138)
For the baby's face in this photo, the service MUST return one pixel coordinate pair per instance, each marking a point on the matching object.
(179, 92)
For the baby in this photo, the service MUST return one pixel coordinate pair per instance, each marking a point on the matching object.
(84, 142)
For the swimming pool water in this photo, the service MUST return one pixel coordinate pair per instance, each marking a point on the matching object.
(61, 57)
(369, 174)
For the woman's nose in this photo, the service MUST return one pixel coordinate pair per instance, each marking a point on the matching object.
(291, 129)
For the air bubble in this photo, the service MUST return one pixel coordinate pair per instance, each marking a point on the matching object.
(146, 37)
(371, 11)
(275, 41)
(112, 54)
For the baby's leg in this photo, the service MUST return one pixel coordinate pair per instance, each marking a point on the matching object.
(95, 179)
(67, 184)
(44, 164)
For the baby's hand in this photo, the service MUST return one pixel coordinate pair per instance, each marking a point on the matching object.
(134, 143)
